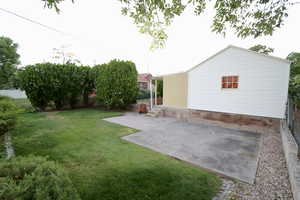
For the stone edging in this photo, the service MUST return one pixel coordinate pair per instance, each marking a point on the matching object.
(10, 152)
(290, 149)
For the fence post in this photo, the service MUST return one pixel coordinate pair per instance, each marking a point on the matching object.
(290, 115)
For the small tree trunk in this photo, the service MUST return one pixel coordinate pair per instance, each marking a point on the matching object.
(86, 98)
(58, 104)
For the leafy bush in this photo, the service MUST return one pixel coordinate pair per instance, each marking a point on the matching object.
(294, 85)
(34, 178)
(36, 81)
(5, 98)
(24, 105)
(8, 114)
(63, 84)
(27, 108)
(117, 84)
(74, 83)
(89, 83)
(143, 94)
(160, 88)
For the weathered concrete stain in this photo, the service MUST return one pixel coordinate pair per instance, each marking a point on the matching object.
(225, 151)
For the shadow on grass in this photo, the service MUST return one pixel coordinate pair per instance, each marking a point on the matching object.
(88, 113)
(151, 183)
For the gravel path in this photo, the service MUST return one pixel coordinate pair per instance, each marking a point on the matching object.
(271, 181)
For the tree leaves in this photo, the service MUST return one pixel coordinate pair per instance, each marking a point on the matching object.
(53, 4)
(9, 58)
(245, 17)
(294, 87)
(262, 49)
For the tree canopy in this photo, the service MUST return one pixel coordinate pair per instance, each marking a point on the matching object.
(262, 49)
(53, 4)
(294, 87)
(9, 58)
(295, 66)
(245, 17)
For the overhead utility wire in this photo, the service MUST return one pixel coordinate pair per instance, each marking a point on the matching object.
(33, 21)
(47, 27)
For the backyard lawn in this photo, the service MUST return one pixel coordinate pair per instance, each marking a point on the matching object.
(102, 165)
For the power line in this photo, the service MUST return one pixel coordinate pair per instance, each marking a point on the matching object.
(46, 26)
(33, 21)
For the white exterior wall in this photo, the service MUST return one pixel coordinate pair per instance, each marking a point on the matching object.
(262, 90)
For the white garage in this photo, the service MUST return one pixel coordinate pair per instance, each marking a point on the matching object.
(240, 81)
(235, 86)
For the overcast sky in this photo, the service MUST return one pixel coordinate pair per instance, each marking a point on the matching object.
(96, 32)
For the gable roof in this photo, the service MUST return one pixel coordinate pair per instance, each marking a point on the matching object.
(242, 49)
(144, 77)
(160, 77)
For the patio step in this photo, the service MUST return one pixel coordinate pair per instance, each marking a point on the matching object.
(155, 112)
(152, 114)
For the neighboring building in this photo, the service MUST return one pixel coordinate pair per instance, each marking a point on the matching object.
(14, 93)
(144, 81)
(235, 85)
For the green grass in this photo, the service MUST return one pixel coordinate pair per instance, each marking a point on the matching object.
(102, 165)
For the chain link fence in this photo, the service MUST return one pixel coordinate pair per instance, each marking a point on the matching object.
(293, 120)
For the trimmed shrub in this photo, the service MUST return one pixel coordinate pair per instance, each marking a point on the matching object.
(8, 114)
(24, 105)
(34, 178)
(63, 84)
(117, 84)
(37, 82)
(89, 75)
(74, 83)
(26, 108)
(160, 88)
(143, 94)
(5, 98)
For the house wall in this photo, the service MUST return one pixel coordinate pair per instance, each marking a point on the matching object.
(263, 84)
(232, 121)
(14, 93)
(175, 90)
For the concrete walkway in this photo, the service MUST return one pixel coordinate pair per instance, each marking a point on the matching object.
(228, 152)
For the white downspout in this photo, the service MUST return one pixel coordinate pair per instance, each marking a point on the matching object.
(155, 92)
(151, 100)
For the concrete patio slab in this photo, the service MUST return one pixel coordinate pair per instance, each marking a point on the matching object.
(228, 152)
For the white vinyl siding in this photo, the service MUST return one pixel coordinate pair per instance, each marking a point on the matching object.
(262, 88)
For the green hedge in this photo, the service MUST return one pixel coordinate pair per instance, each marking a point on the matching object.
(8, 114)
(143, 94)
(63, 84)
(160, 86)
(34, 178)
(117, 84)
